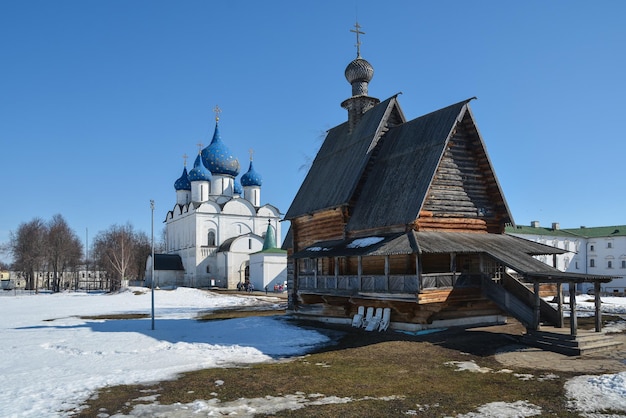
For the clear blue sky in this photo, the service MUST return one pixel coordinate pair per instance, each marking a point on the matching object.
(99, 100)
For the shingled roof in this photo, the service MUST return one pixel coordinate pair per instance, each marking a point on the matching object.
(383, 171)
(341, 161)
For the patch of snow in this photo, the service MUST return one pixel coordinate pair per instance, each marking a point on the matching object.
(53, 360)
(597, 393)
(518, 409)
(364, 242)
(470, 366)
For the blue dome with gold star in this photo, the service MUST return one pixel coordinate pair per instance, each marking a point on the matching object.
(218, 158)
(199, 172)
(183, 181)
(251, 178)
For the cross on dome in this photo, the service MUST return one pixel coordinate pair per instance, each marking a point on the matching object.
(185, 156)
(358, 32)
(217, 112)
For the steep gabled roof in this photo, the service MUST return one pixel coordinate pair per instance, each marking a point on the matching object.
(341, 160)
(397, 185)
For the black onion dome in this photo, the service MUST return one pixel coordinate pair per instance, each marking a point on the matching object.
(359, 70)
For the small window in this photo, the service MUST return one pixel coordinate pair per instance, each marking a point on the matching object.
(577, 265)
(609, 264)
(592, 263)
(249, 244)
(211, 239)
(208, 269)
(591, 247)
(624, 264)
(609, 245)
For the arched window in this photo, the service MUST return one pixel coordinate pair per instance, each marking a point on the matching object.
(211, 239)
(208, 269)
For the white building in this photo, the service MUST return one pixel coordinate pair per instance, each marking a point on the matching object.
(597, 250)
(217, 220)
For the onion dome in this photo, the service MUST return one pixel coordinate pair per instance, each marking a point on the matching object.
(183, 181)
(237, 189)
(251, 178)
(218, 158)
(199, 172)
(359, 73)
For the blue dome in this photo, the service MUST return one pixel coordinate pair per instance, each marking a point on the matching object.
(183, 181)
(199, 172)
(217, 157)
(251, 178)
(237, 189)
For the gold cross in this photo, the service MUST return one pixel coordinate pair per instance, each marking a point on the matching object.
(199, 144)
(185, 156)
(356, 30)
(251, 151)
(217, 111)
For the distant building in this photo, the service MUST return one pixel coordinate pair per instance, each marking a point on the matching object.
(597, 250)
(80, 278)
(217, 221)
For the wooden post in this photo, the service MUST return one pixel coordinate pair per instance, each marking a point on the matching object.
(360, 271)
(537, 307)
(573, 321)
(387, 272)
(453, 267)
(598, 303)
(559, 296)
(420, 285)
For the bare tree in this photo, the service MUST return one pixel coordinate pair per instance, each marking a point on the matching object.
(121, 253)
(27, 246)
(64, 249)
(143, 248)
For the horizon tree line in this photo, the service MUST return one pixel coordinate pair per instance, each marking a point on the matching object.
(39, 246)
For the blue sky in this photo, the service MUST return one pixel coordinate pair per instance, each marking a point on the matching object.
(99, 100)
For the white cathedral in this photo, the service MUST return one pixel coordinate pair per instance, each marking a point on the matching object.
(217, 224)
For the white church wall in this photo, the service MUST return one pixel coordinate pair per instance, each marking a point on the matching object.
(268, 211)
(268, 270)
(238, 206)
(209, 207)
(246, 245)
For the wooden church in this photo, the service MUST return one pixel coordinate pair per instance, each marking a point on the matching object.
(409, 215)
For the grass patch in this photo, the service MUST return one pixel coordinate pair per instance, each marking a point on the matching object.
(410, 371)
(220, 314)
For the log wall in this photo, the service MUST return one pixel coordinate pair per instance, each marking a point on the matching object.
(320, 226)
(463, 195)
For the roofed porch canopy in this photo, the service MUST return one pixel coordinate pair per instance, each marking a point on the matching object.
(509, 251)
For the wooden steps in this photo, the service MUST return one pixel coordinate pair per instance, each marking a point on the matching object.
(559, 340)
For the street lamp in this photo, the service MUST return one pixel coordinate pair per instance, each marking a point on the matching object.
(153, 261)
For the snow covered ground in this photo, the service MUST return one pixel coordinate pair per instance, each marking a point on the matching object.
(52, 360)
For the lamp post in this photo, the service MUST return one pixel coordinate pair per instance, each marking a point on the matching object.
(152, 267)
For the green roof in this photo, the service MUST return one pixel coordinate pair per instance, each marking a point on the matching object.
(584, 232)
(599, 231)
(271, 251)
(537, 230)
